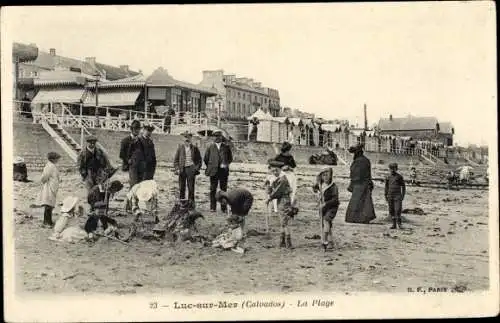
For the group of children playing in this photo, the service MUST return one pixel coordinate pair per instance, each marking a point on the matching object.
(142, 197)
(281, 186)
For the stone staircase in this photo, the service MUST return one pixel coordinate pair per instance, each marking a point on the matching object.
(68, 139)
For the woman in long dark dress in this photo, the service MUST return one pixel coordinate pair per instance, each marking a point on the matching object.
(360, 208)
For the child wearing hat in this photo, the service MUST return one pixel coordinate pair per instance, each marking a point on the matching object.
(50, 185)
(329, 203)
(282, 191)
(70, 209)
(395, 190)
(270, 178)
(103, 192)
(288, 166)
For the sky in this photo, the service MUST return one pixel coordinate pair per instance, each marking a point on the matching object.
(423, 59)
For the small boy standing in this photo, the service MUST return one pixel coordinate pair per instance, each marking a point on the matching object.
(329, 194)
(413, 176)
(270, 178)
(395, 190)
(50, 186)
(282, 191)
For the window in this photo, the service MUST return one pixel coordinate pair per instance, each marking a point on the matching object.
(239, 95)
(228, 92)
(255, 98)
(244, 96)
(265, 100)
(239, 108)
(234, 107)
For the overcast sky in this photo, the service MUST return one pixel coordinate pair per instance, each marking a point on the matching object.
(427, 59)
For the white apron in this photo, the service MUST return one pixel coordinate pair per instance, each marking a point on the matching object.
(50, 185)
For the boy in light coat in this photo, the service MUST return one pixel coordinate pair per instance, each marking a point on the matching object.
(50, 185)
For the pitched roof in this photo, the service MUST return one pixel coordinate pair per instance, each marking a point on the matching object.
(24, 52)
(408, 123)
(115, 73)
(161, 78)
(50, 62)
(61, 77)
(446, 128)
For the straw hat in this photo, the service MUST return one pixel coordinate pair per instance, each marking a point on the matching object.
(69, 204)
(18, 160)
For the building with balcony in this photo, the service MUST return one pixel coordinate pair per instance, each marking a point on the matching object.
(239, 97)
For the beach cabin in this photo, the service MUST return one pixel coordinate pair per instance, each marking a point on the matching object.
(262, 123)
(283, 123)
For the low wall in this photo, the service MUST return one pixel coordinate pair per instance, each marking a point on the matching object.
(33, 143)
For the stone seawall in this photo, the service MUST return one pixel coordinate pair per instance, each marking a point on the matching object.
(32, 143)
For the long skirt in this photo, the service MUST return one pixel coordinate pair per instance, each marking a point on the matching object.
(360, 208)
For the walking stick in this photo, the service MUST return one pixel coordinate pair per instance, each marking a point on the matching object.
(320, 213)
(269, 210)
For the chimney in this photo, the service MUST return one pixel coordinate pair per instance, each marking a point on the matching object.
(390, 117)
(124, 68)
(52, 52)
(90, 60)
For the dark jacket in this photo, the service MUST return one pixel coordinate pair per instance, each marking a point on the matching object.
(330, 199)
(240, 200)
(143, 157)
(125, 151)
(280, 188)
(215, 157)
(180, 157)
(288, 160)
(395, 187)
(95, 195)
(92, 163)
(361, 171)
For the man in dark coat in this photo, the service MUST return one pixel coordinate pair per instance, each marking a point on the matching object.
(94, 165)
(218, 157)
(126, 142)
(142, 161)
(167, 122)
(187, 164)
(360, 208)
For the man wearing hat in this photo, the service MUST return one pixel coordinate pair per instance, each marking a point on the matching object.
(94, 165)
(217, 158)
(187, 164)
(135, 128)
(360, 208)
(142, 157)
(395, 190)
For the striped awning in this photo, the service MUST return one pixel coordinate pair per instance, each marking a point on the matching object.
(58, 96)
(113, 98)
